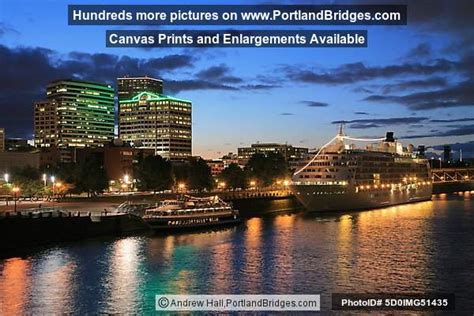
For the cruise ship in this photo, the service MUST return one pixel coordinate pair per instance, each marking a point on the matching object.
(341, 177)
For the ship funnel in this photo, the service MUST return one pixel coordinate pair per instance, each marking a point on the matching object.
(389, 137)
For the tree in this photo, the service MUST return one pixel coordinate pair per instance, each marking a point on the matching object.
(267, 168)
(90, 175)
(29, 182)
(234, 176)
(199, 175)
(154, 174)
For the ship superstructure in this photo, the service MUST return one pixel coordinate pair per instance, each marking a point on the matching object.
(342, 177)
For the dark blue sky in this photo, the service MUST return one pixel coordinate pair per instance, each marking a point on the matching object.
(416, 80)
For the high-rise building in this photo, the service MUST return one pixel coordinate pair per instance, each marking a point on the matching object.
(447, 153)
(45, 124)
(158, 122)
(2, 139)
(128, 87)
(75, 114)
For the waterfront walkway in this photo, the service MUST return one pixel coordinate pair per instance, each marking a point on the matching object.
(109, 202)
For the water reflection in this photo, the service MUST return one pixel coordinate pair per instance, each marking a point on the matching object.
(422, 247)
(253, 257)
(124, 276)
(14, 285)
(53, 283)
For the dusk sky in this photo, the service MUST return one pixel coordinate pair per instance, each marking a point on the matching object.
(416, 80)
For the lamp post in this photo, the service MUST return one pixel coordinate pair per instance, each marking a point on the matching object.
(53, 181)
(126, 182)
(15, 191)
(6, 177)
(45, 179)
(181, 187)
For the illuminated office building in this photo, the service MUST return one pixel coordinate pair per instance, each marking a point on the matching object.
(128, 87)
(159, 122)
(76, 114)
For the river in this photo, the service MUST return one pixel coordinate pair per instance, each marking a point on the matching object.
(413, 248)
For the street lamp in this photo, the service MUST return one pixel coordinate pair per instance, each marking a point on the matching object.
(53, 181)
(15, 191)
(222, 185)
(181, 186)
(440, 162)
(45, 179)
(6, 177)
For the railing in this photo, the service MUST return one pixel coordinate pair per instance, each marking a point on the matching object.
(453, 175)
(51, 212)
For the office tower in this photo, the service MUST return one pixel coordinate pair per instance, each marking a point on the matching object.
(45, 124)
(75, 114)
(128, 87)
(158, 122)
(447, 153)
(2, 139)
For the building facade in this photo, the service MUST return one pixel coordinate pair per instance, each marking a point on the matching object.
(18, 160)
(2, 140)
(159, 122)
(128, 87)
(76, 114)
(291, 154)
(216, 166)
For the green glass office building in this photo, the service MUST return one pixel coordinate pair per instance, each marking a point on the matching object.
(158, 122)
(75, 114)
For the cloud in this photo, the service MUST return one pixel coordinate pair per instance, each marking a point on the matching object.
(467, 119)
(382, 122)
(315, 104)
(219, 78)
(287, 114)
(26, 71)
(400, 86)
(218, 73)
(5, 29)
(175, 86)
(362, 90)
(363, 125)
(457, 131)
(460, 94)
(356, 72)
(422, 50)
(107, 67)
(361, 113)
(259, 86)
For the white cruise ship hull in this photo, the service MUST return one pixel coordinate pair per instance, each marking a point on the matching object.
(343, 198)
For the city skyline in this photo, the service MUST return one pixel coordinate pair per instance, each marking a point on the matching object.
(415, 80)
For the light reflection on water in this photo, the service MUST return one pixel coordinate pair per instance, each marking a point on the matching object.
(422, 247)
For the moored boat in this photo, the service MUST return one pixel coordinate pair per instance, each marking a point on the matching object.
(190, 213)
(341, 177)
